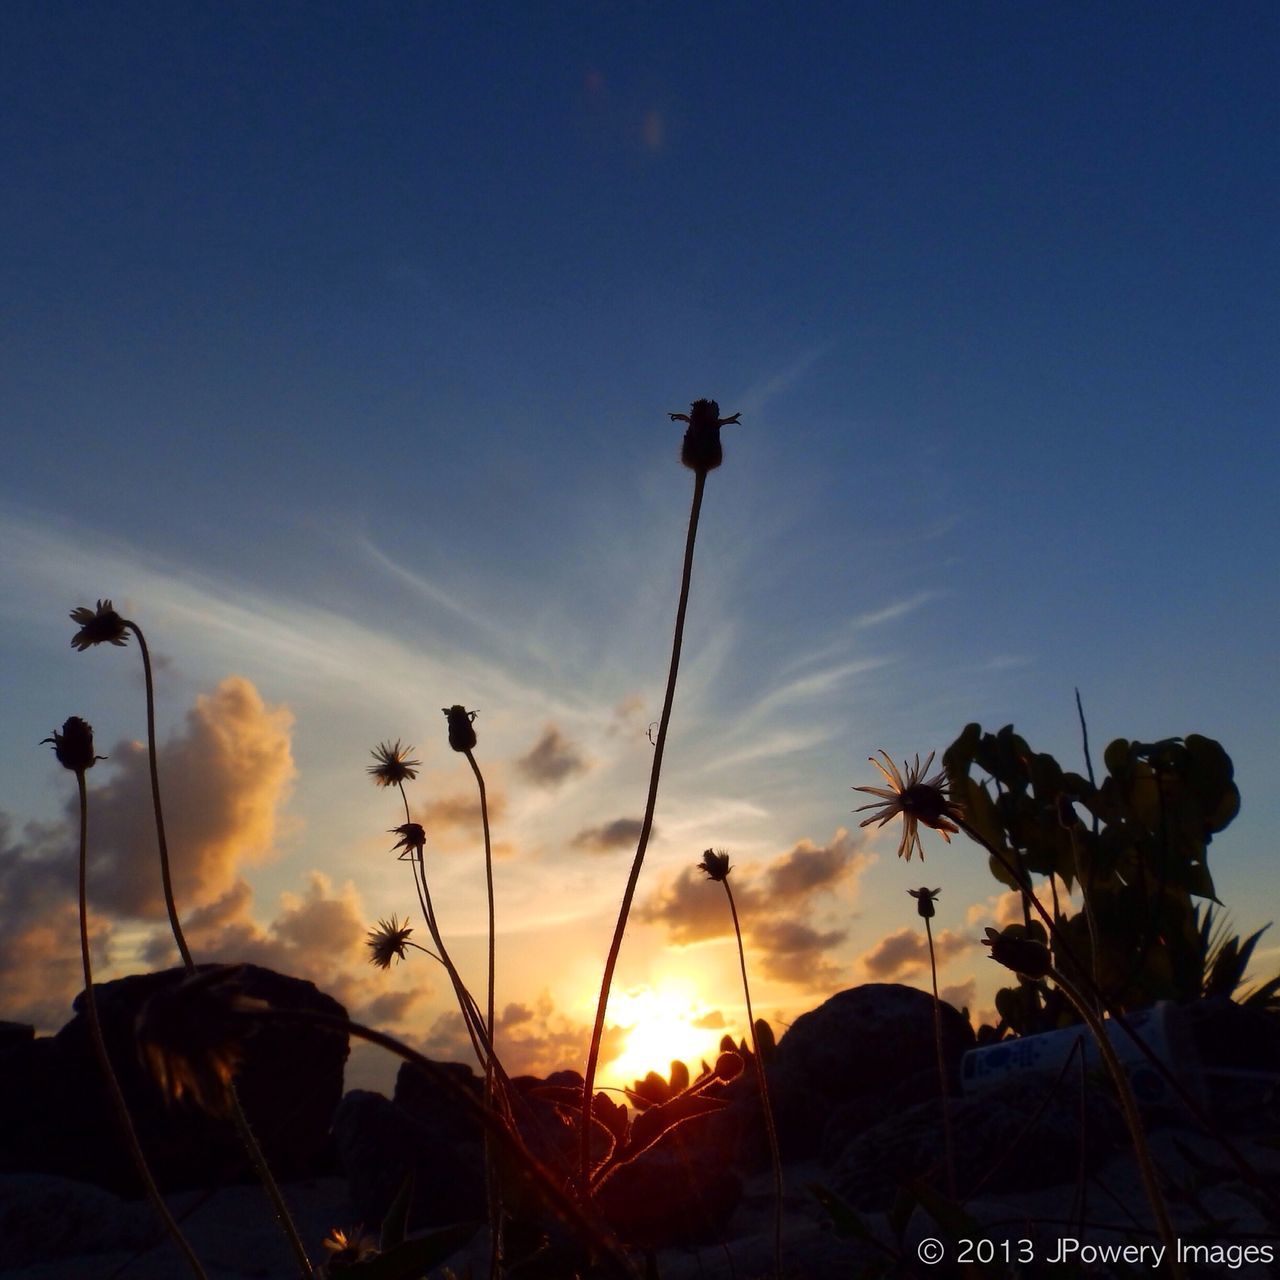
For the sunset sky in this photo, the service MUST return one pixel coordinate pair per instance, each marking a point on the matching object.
(339, 343)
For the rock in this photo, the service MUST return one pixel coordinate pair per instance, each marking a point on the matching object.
(379, 1142)
(15, 1035)
(1028, 1135)
(56, 1115)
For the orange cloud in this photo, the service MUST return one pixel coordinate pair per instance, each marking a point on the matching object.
(906, 952)
(551, 760)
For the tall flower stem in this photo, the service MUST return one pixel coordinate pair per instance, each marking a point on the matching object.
(100, 1050)
(942, 1066)
(238, 1117)
(488, 874)
(655, 772)
(762, 1083)
(1130, 1109)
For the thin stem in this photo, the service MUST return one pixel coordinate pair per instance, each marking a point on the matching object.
(655, 772)
(238, 1117)
(762, 1083)
(488, 873)
(1130, 1108)
(942, 1067)
(174, 923)
(100, 1050)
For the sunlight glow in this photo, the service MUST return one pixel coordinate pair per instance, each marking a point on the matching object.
(661, 1028)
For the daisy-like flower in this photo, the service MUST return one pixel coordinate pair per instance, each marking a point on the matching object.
(412, 839)
(74, 745)
(925, 898)
(102, 625)
(462, 734)
(388, 941)
(701, 449)
(916, 798)
(394, 765)
(1014, 949)
(346, 1248)
(715, 864)
(191, 1036)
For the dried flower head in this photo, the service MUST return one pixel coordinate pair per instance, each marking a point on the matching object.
(74, 745)
(394, 765)
(388, 941)
(715, 862)
(462, 735)
(701, 449)
(1016, 950)
(347, 1248)
(191, 1036)
(102, 625)
(925, 898)
(917, 799)
(412, 839)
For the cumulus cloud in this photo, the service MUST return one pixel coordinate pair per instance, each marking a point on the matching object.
(906, 953)
(693, 908)
(960, 996)
(713, 1021)
(796, 953)
(618, 834)
(223, 778)
(551, 760)
(453, 820)
(809, 867)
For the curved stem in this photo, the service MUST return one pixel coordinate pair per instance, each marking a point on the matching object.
(238, 1117)
(100, 1050)
(1130, 1109)
(488, 873)
(943, 1095)
(775, 1156)
(655, 772)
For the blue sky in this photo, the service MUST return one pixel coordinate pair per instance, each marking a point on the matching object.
(339, 347)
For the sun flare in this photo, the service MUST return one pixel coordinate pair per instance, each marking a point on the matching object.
(662, 1025)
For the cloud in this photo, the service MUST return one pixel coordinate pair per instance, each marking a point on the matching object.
(223, 778)
(713, 1021)
(961, 996)
(906, 953)
(552, 759)
(897, 609)
(452, 820)
(618, 834)
(794, 952)
(809, 867)
(693, 908)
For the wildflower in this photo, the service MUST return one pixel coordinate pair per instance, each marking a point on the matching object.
(191, 1036)
(102, 625)
(74, 745)
(393, 766)
(925, 898)
(1016, 950)
(462, 737)
(412, 839)
(715, 864)
(918, 800)
(701, 450)
(347, 1248)
(387, 941)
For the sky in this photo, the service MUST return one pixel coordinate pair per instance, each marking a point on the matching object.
(339, 347)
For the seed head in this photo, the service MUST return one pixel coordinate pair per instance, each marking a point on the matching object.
(74, 745)
(716, 864)
(462, 735)
(102, 625)
(388, 941)
(412, 839)
(394, 765)
(701, 450)
(191, 1036)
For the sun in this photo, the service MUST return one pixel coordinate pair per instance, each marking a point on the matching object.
(661, 1025)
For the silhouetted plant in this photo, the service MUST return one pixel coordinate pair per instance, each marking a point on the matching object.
(73, 747)
(701, 452)
(926, 900)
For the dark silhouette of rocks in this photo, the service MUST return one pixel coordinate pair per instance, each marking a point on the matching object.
(55, 1116)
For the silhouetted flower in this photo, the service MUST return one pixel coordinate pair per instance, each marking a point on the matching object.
(1017, 951)
(925, 899)
(347, 1248)
(388, 941)
(462, 736)
(715, 864)
(916, 799)
(701, 449)
(728, 1066)
(74, 745)
(191, 1036)
(102, 625)
(394, 765)
(412, 839)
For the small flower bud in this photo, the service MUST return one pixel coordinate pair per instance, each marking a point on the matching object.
(74, 745)
(701, 450)
(925, 899)
(728, 1066)
(462, 736)
(716, 864)
(1015, 950)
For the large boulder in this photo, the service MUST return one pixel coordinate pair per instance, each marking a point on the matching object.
(56, 1115)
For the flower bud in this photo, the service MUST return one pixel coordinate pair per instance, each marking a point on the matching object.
(462, 736)
(74, 745)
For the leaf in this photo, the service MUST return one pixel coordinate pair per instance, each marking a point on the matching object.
(657, 1121)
